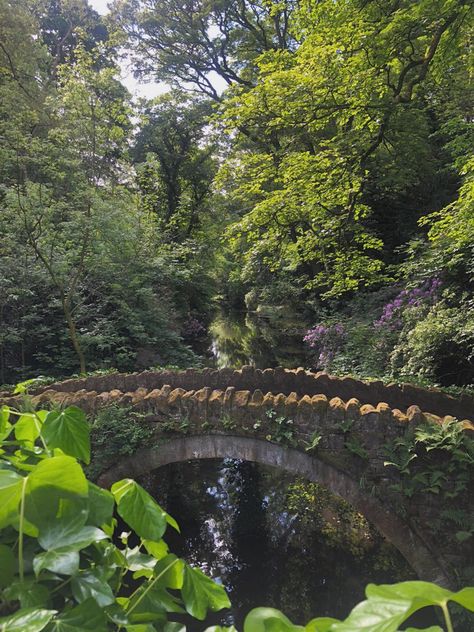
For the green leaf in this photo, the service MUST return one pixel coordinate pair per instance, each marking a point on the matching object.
(27, 620)
(29, 593)
(157, 549)
(320, 624)
(217, 628)
(5, 425)
(87, 585)
(51, 484)
(139, 510)
(200, 593)
(268, 620)
(170, 572)
(4, 417)
(172, 522)
(407, 592)
(68, 430)
(433, 628)
(7, 565)
(65, 533)
(465, 598)
(101, 505)
(10, 493)
(376, 615)
(389, 605)
(86, 617)
(27, 428)
(61, 561)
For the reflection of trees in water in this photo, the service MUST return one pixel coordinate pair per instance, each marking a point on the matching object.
(239, 339)
(272, 539)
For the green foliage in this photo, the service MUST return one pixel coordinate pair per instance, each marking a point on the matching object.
(116, 431)
(62, 568)
(438, 459)
(385, 609)
(281, 428)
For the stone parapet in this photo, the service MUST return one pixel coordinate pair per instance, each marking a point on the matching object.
(279, 380)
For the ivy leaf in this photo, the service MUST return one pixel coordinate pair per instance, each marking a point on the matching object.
(86, 617)
(268, 620)
(27, 620)
(29, 593)
(61, 561)
(139, 510)
(87, 585)
(200, 593)
(69, 431)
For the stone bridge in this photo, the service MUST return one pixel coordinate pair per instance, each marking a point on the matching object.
(334, 431)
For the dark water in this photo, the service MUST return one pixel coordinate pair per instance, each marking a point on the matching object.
(272, 539)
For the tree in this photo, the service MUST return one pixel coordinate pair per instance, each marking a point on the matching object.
(176, 166)
(348, 106)
(192, 43)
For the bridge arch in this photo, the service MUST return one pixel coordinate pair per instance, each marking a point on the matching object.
(209, 446)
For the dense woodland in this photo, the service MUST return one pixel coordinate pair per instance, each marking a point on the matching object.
(308, 157)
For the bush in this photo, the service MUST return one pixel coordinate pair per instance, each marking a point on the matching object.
(438, 347)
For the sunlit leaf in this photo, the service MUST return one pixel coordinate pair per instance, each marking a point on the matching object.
(68, 430)
(139, 510)
(61, 561)
(200, 593)
(268, 620)
(27, 620)
(27, 428)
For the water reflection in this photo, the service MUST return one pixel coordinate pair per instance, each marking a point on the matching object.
(272, 539)
(261, 340)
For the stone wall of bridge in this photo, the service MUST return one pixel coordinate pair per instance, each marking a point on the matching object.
(279, 380)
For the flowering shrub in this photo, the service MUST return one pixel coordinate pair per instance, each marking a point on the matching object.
(392, 314)
(193, 328)
(325, 341)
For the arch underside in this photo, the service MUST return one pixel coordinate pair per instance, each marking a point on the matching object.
(393, 528)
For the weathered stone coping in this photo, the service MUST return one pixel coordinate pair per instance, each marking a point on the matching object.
(172, 398)
(279, 380)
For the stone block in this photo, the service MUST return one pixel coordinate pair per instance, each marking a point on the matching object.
(337, 410)
(241, 398)
(319, 404)
(256, 398)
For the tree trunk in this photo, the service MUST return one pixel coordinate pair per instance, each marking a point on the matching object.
(74, 337)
